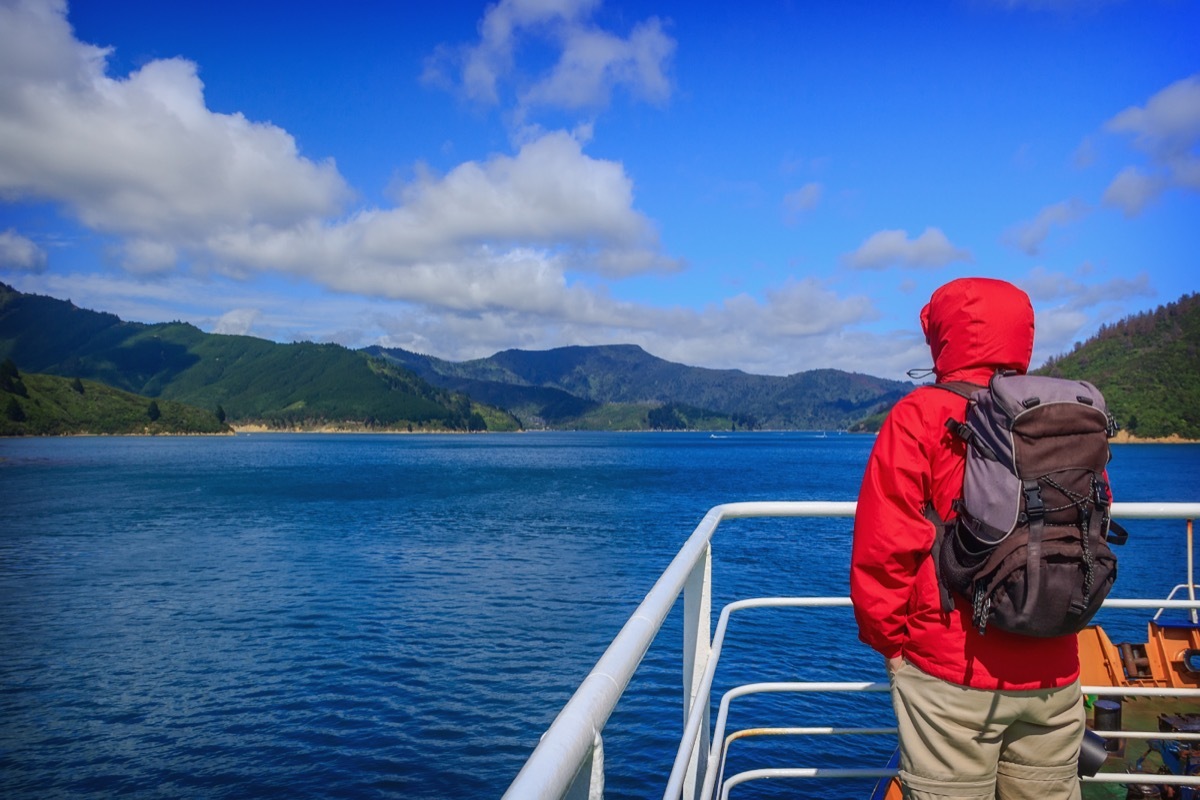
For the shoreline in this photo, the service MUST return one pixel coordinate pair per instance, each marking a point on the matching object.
(1124, 437)
(254, 428)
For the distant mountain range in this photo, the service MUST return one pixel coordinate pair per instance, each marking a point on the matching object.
(568, 386)
(307, 385)
(1148, 366)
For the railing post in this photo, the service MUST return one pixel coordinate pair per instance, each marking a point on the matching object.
(1190, 566)
(697, 645)
(589, 781)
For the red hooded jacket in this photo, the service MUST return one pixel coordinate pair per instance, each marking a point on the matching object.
(974, 326)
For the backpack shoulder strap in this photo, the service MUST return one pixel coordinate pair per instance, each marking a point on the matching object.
(960, 388)
(962, 429)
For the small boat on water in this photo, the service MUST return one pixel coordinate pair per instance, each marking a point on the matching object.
(1144, 697)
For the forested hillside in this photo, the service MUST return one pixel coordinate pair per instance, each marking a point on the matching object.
(1147, 366)
(301, 385)
(41, 405)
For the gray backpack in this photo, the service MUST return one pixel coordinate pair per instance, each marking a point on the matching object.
(1030, 545)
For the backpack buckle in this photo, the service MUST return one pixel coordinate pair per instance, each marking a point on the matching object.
(1034, 506)
(971, 438)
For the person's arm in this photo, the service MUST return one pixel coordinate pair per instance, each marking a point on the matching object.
(891, 534)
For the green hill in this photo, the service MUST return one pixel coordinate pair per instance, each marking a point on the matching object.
(32, 404)
(301, 385)
(1147, 366)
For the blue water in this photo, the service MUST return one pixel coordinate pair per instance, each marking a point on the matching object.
(402, 616)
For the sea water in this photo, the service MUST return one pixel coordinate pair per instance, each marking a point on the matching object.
(402, 616)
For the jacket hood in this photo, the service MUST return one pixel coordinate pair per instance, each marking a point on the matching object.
(977, 324)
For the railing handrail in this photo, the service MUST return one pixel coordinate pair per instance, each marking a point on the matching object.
(568, 744)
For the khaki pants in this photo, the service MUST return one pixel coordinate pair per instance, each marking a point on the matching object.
(967, 743)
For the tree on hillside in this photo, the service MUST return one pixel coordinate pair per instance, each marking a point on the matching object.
(220, 414)
(666, 418)
(10, 379)
(152, 411)
(77, 385)
(14, 411)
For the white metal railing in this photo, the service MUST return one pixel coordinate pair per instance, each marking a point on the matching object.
(568, 762)
(715, 779)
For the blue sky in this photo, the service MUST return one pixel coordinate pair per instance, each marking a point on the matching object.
(774, 186)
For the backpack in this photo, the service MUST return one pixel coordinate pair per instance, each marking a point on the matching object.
(1029, 547)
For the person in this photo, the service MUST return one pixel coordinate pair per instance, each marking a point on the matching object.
(979, 716)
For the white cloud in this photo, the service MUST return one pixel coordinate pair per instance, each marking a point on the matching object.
(500, 233)
(1085, 154)
(18, 252)
(485, 65)
(814, 325)
(1029, 236)
(140, 155)
(1044, 285)
(148, 256)
(1057, 329)
(549, 192)
(805, 308)
(238, 322)
(595, 62)
(1186, 172)
(591, 62)
(796, 204)
(1168, 124)
(893, 248)
(1167, 130)
(1132, 190)
(796, 326)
